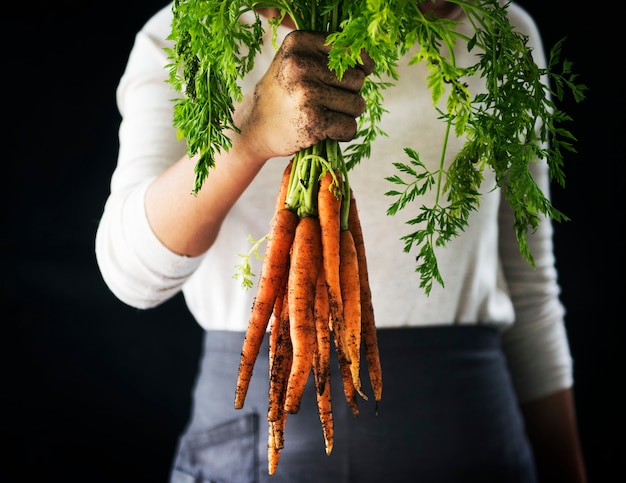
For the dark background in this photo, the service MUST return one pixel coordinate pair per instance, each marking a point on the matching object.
(94, 391)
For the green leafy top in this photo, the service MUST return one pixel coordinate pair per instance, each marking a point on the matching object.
(514, 123)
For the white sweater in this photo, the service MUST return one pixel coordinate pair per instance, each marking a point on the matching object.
(486, 280)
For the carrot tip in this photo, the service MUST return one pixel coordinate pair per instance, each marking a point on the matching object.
(354, 407)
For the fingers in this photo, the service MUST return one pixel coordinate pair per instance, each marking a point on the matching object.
(367, 64)
(299, 101)
(308, 51)
(307, 37)
(318, 121)
(329, 105)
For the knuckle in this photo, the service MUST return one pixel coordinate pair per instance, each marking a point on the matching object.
(341, 127)
(348, 130)
(353, 79)
(359, 105)
(368, 64)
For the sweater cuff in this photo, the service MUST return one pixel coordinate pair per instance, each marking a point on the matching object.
(540, 365)
(137, 267)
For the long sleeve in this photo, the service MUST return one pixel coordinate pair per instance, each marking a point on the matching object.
(135, 265)
(536, 343)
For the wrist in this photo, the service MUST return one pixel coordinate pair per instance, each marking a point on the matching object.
(246, 150)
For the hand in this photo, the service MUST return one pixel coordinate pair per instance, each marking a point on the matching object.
(300, 101)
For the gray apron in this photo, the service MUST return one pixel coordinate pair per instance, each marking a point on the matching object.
(448, 414)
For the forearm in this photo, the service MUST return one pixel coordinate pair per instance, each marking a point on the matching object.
(553, 433)
(188, 224)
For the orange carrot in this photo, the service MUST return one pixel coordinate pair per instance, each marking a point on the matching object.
(322, 330)
(274, 325)
(273, 453)
(351, 297)
(273, 272)
(346, 377)
(324, 407)
(280, 365)
(321, 368)
(275, 441)
(280, 356)
(329, 211)
(284, 186)
(368, 325)
(303, 271)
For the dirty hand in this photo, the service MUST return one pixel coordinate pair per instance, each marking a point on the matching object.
(300, 101)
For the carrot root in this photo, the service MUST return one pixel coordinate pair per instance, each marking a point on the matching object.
(351, 296)
(329, 212)
(321, 368)
(303, 274)
(273, 272)
(368, 324)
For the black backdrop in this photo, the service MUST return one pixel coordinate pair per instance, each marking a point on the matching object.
(94, 391)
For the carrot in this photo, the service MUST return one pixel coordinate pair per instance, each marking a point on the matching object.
(279, 358)
(346, 378)
(273, 453)
(329, 211)
(275, 441)
(284, 186)
(324, 407)
(273, 338)
(322, 330)
(280, 364)
(321, 368)
(368, 325)
(351, 297)
(303, 272)
(273, 272)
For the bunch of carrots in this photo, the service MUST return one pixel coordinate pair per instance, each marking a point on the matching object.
(313, 292)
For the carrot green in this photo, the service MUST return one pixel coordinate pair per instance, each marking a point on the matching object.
(213, 50)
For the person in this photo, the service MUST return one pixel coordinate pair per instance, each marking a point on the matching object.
(478, 379)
